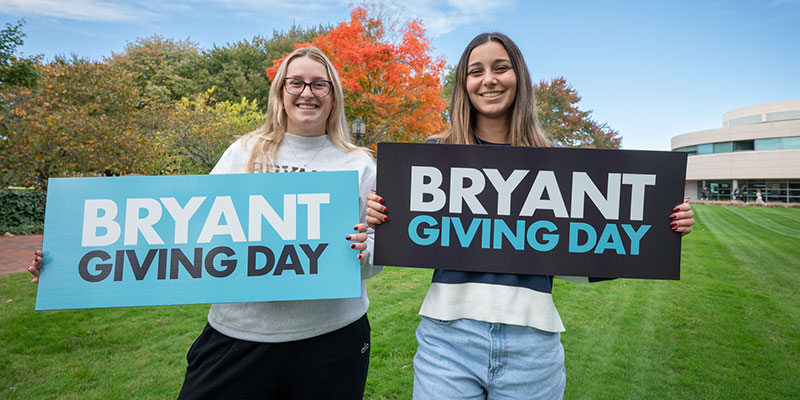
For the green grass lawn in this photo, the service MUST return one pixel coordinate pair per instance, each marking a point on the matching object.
(729, 329)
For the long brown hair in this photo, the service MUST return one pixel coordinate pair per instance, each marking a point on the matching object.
(524, 130)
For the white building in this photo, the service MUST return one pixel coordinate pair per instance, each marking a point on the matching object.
(757, 148)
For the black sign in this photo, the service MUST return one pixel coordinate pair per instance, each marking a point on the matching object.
(528, 210)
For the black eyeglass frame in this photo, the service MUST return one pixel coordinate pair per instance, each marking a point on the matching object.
(309, 84)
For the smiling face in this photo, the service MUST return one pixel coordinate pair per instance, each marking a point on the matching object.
(306, 113)
(491, 81)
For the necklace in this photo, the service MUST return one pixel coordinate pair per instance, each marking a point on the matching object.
(305, 164)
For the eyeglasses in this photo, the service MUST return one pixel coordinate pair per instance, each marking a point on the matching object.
(296, 86)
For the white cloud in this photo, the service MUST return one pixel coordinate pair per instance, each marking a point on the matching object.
(280, 5)
(84, 10)
(440, 18)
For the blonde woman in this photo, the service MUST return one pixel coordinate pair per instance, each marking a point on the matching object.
(314, 349)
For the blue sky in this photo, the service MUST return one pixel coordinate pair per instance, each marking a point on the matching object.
(651, 70)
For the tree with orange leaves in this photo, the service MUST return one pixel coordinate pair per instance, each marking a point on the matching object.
(394, 87)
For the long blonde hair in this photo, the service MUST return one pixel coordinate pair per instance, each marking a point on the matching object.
(269, 136)
(525, 129)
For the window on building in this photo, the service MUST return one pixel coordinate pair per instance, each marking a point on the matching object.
(752, 119)
(692, 150)
(751, 188)
(790, 143)
(767, 144)
(776, 190)
(793, 191)
(719, 190)
(723, 147)
(743, 145)
(784, 143)
(783, 115)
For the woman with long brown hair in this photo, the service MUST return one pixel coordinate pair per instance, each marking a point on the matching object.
(489, 335)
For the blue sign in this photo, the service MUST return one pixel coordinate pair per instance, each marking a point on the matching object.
(162, 240)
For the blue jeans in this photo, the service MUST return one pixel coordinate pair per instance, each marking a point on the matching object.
(468, 359)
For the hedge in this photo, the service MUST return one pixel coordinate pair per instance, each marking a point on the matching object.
(22, 211)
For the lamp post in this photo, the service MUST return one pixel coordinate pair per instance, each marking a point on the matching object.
(358, 127)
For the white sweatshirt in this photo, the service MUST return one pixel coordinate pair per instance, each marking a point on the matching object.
(283, 321)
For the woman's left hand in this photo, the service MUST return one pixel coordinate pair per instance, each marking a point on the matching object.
(358, 240)
(682, 218)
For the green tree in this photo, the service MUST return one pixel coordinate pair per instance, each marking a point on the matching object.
(235, 71)
(568, 125)
(448, 80)
(447, 84)
(194, 132)
(238, 70)
(15, 70)
(162, 68)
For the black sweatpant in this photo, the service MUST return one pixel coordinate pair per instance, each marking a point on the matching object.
(329, 366)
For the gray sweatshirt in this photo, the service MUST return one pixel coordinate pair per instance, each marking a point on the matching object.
(283, 321)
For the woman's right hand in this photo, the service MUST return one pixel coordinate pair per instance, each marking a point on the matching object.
(376, 210)
(36, 266)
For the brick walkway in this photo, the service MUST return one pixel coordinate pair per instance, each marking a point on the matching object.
(16, 252)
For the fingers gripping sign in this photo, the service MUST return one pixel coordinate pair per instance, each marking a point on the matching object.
(376, 210)
(682, 218)
(358, 240)
(36, 266)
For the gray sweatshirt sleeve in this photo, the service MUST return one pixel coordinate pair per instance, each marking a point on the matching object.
(367, 177)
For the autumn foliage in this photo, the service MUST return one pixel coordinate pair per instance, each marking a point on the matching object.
(83, 117)
(167, 107)
(394, 88)
(89, 119)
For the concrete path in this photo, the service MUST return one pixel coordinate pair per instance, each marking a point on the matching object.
(16, 252)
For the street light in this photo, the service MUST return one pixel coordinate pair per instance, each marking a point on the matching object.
(358, 127)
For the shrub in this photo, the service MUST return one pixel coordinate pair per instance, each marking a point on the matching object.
(746, 204)
(22, 211)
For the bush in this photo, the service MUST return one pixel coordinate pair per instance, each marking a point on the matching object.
(22, 211)
(746, 204)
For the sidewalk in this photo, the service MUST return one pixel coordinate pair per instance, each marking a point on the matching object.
(16, 252)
